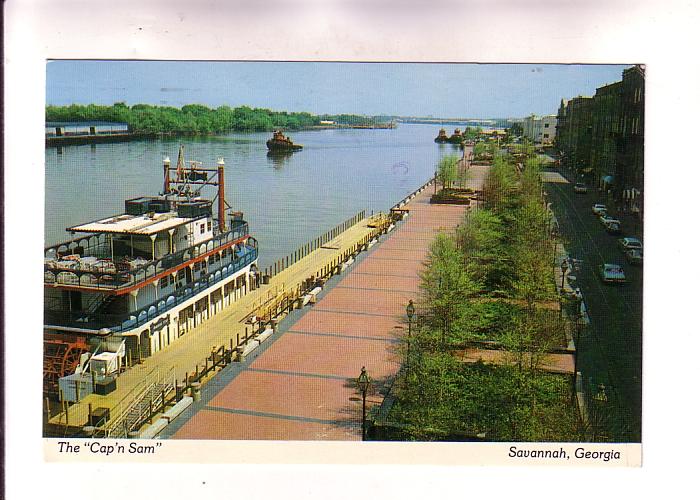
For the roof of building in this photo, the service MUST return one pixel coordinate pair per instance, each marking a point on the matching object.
(133, 224)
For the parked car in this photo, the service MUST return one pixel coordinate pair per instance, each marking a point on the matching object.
(580, 188)
(608, 219)
(599, 208)
(629, 242)
(634, 256)
(612, 273)
(613, 227)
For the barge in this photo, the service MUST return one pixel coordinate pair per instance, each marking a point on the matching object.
(127, 286)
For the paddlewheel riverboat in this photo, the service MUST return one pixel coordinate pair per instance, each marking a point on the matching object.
(127, 286)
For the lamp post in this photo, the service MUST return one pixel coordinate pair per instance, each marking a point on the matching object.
(564, 268)
(579, 325)
(561, 305)
(363, 384)
(410, 310)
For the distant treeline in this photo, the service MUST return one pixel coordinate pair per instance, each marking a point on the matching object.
(196, 118)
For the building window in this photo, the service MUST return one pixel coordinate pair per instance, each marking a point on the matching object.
(209, 225)
(201, 228)
(546, 125)
(164, 282)
(546, 136)
(637, 94)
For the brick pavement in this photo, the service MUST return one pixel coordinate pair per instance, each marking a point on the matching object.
(302, 387)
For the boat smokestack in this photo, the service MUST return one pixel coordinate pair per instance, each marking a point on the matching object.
(166, 175)
(222, 198)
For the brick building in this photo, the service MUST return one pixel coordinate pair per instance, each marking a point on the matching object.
(602, 138)
(605, 127)
(629, 187)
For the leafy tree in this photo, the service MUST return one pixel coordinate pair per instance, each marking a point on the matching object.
(499, 185)
(190, 119)
(446, 284)
(480, 148)
(447, 170)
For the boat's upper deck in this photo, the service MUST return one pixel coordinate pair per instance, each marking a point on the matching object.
(121, 252)
(146, 224)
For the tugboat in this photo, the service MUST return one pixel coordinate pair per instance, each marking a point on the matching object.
(456, 137)
(127, 286)
(281, 143)
(442, 137)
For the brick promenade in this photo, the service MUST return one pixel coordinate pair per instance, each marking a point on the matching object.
(302, 387)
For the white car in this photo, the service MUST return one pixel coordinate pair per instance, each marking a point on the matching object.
(608, 219)
(629, 243)
(580, 188)
(599, 209)
(612, 273)
(634, 256)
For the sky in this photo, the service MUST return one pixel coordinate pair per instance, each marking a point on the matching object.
(403, 89)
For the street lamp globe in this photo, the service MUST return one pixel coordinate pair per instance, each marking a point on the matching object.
(363, 381)
(410, 310)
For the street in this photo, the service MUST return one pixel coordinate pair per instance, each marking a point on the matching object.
(610, 349)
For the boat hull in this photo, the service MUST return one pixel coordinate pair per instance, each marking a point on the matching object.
(280, 147)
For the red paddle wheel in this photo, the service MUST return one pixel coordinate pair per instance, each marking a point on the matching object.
(61, 357)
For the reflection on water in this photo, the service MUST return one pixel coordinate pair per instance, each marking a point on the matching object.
(337, 174)
(279, 158)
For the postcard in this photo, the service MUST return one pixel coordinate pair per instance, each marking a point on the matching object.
(255, 257)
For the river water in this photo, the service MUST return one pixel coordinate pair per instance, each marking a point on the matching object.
(287, 200)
